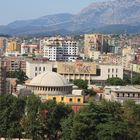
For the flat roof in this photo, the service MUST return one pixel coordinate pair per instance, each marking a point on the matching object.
(124, 88)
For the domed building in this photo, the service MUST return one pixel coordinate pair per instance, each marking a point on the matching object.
(49, 84)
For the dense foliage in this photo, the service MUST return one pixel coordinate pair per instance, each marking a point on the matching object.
(30, 118)
(19, 74)
(81, 83)
(104, 121)
(115, 81)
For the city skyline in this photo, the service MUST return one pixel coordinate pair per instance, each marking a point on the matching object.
(24, 10)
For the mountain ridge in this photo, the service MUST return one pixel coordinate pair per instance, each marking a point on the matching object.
(96, 16)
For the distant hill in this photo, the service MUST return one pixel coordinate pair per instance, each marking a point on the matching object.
(108, 17)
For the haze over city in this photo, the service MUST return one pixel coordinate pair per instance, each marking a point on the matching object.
(29, 9)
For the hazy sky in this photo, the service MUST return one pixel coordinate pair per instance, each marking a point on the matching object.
(11, 10)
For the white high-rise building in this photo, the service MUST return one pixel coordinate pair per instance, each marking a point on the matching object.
(58, 48)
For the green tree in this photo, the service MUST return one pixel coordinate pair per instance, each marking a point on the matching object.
(132, 117)
(20, 75)
(89, 92)
(52, 119)
(66, 125)
(115, 81)
(127, 79)
(11, 112)
(30, 121)
(136, 80)
(81, 83)
(98, 121)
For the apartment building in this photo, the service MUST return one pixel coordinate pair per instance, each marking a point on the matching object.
(15, 63)
(3, 43)
(29, 48)
(12, 45)
(110, 58)
(60, 49)
(94, 42)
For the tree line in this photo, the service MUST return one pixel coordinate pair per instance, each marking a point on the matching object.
(30, 118)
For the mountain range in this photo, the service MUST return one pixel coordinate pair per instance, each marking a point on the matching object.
(116, 16)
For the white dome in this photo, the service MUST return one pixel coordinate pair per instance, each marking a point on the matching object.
(49, 79)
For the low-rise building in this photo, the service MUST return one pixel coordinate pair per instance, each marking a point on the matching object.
(89, 71)
(50, 85)
(122, 93)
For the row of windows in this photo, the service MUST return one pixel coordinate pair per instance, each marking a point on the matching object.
(36, 68)
(70, 99)
(109, 70)
(128, 95)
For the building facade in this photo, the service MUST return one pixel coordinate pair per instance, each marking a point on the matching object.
(58, 48)
(94, 42)
(12, 45)
(29, 49)
(122, 93)
(89, 71)
(36, 67)
(15, 63)
(53, 86)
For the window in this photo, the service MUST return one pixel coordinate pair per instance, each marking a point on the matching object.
(54, 98)
(108, 70)
(39, 68)
(79, 100)
(62, 98)
(116, 75)
(70, 100)
(35, 74)
(116, 70)
(35, 68)
(112, 70)
(43, 68)
(108, 76)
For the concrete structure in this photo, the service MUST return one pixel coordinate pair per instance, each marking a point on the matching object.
(110, 58)
(136, 67)
(89, 71)
(92, 72)
(36, 67)
(3, 43)
(15, 63)
(29, 49)
(58, 48)
(95, 55)
(94, 42)
(50, 85)
(12, 54)
(114, 45)
(122, 93)
(12, 45)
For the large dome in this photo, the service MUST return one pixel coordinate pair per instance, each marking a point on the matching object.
(49, 79)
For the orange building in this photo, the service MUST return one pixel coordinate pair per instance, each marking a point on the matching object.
(12, 46)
